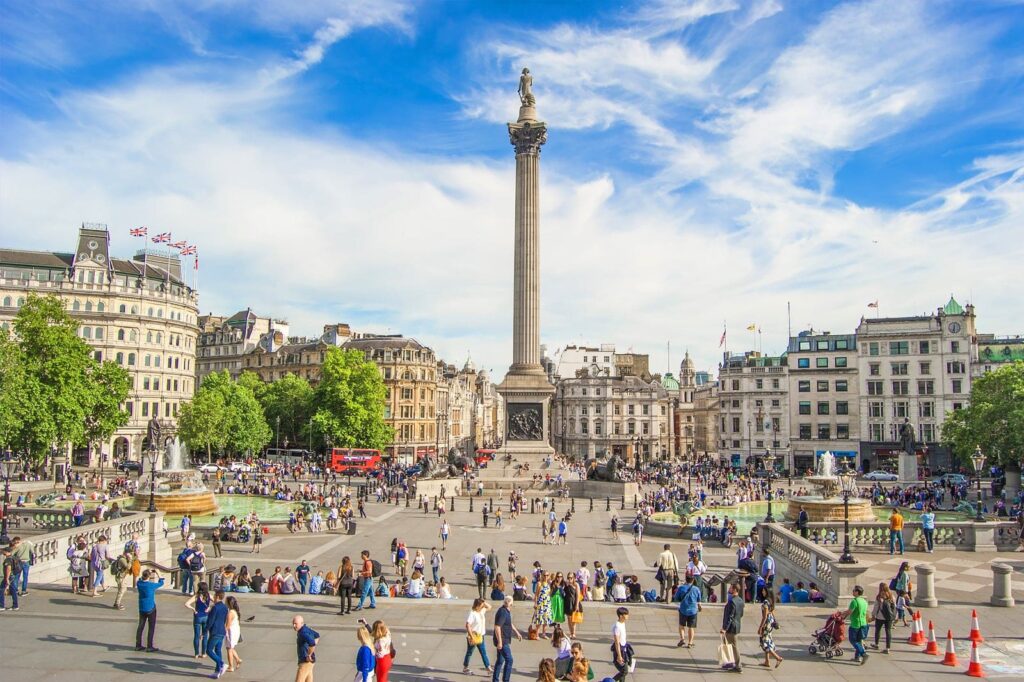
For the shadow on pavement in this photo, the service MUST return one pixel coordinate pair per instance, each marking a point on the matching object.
(61, 639)
(88, 601)
(157, 666)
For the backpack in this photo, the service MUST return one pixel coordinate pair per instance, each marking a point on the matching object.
(196, 562)
(119, 567)
(892, 584)
(183, 559)
(376, 571)
(16, 565)
(888, 610)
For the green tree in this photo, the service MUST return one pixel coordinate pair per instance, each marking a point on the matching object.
(202, 422)
(350, 401)
(248, 430)
(289, 399)
(994, 420)
(252, 381)
(61, 394)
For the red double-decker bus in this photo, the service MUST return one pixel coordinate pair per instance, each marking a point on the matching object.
(354, 460)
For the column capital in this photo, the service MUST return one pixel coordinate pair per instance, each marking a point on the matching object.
(527, 136)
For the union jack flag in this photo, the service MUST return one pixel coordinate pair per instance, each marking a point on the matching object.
(162, 237)
(180, 245)
(137, 232)
(188, 250)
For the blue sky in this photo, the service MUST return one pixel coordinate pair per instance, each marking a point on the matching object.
(707, 161)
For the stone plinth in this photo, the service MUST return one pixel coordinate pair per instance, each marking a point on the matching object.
(924, 595)
(830, 510)
(1002, 587)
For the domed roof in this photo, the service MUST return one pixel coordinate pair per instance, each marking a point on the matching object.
(687, 362)
(469, 366)
(482, 377)
(952, 308)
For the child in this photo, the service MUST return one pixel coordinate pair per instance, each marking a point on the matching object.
(901, 608)
(833, 537)
(431, 592)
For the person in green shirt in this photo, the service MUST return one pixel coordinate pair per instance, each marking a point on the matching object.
(857, 612)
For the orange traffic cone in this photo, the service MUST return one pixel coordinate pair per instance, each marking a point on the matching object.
(975, 635)
(933, 646)
(974, 669)
(950, 658)
(917, 631)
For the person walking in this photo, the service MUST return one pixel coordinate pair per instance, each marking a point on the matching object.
(668, 572)
(572, 596)
(621, 650)
(767, 626)
(99, 561)
(857, 612)
(479, 565)
(895, 530)
(901, 583)
(366, 579)
(768, 568)
(445, 530)
(217, 626)
(436, 561)
(382, 651)
(233, 629)
(215, 539)
(689, 607)
(199, 604)
(476, 626)
(928, 529)
(365, 660)
(302, 575)
(24, 551)
(121, 569)
(883, 613)
(542, 615)
(732, 619)
(306, 639)
(78, 565)
(346, 579)
(7, 579)
(197, 564)
(801, 522)
(147, 587)
(504, 631)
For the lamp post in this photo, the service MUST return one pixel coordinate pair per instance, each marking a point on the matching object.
(8, 463)
(769, 465)
(978, 460)
(848, 481)
(278, 420)
(153, 454)
(748, 446)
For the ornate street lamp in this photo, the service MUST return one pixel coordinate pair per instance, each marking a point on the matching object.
(769, 466)
(153, 454)
(978, 460)
(848, 483)
(8, 464)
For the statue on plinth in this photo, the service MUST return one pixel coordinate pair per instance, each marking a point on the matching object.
(907, 437)
(526, 89)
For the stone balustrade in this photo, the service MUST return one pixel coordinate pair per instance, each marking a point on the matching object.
(51, 562)
(803, 560)
(949, 535)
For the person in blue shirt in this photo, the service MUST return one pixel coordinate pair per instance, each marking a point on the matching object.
(801, 595)
(306, 639)
(689, 606)
(147, 587)
(366, 661)
(217, 626)
(200, 604)
(928, 529)
(302, 574)
(786, 592)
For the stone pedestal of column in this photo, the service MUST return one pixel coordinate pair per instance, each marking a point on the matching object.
(984, 537)
(1002, 588)
(925, 593)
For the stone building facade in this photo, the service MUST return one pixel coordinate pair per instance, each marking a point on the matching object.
(601, 416)
(753, 409)
(137, 312)
(225, 341)
(272, 360)
(706, 419)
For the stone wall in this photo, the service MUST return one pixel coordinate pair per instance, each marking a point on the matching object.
(799, 559)
(431, 487)
(949, 535)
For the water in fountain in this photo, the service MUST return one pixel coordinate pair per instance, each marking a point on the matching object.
(175, 461)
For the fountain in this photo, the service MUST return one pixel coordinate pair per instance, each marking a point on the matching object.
(177, 490)
(827, 505)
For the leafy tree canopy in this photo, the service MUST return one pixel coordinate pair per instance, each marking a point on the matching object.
(994, 420)
(350, 401)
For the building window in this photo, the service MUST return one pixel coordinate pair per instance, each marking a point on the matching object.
(805, 407)
(873, 348)
(925, 347)
(876, 410)
(956, 367)
(131, 359)
(775, 383)
(928, 433)
(803, 386)
(145, 409)
(926, 368)
(842, 386)
(735, 384)
(598, 429)
(842, 344)
(805, 431)
(823, 345)
(958, 385)
(735, 424)
(822, 386)
(901, 388)
(803, 363)
(99, 333)
(630, 427)
(875, 369)
(824, 432)
(645, 409)
(823, 408)
(842, 431)
(759, 384)
(928, 409)
(775, 403)
(631, 409)
(841, 362)
(901, 409)
(120, 358)
(954, 346)
(899, 368)
(821, 363)
(899, 347)
(874, 388)
(805, 345)
(875, 432)
(926, 387)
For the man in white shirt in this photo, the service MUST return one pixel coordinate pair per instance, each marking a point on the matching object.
(620, 645)
(583, 579)
(768, 568)
(669, 566)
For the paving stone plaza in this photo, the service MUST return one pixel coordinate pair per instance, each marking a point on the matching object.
(56, 634)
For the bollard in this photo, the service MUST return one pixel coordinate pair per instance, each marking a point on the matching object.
(572, 507)
(1002, 594)
(634, 503)
(533, 505)
(470, 503)
(451, 504)
(591, 504)
(552, 506)
(435, 502)
(623, 502)
(925, 594)
(607, 504)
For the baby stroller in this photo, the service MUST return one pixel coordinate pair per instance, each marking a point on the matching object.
(828, 638)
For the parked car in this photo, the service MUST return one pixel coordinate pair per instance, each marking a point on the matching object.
(765, 473)
(950, 479)
(240, 466)
(129, 465)
(210, 468)
(880, 475)
(414, 470)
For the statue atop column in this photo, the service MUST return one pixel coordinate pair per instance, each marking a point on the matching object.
(907, 437)
(526, 89)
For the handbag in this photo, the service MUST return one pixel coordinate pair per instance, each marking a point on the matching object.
(393, 652)
(725, 659)
(476, 638)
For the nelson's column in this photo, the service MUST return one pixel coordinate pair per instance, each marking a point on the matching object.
(526, 389)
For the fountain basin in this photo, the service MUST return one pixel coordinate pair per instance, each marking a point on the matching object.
(178, 492)
(830, 509)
